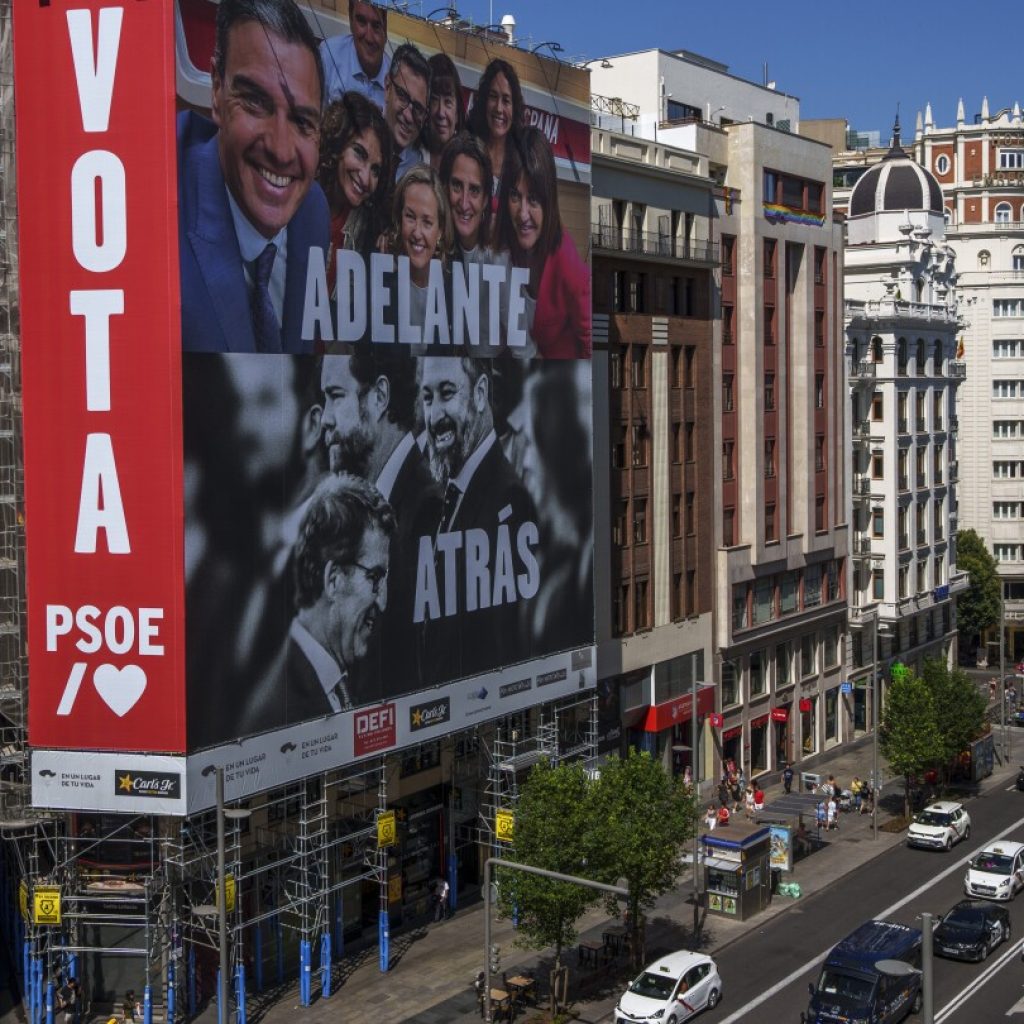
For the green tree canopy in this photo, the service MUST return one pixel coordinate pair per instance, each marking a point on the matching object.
(959, 707)
(909, 736)
(553, 830)
(643, 817)
(977, 608)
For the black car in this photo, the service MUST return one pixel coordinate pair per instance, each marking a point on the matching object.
(971, 930)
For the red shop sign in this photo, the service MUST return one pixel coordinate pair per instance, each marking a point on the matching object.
(806, 704)
(731, 734)
(779, 714)
(759, 723)
(716, 720)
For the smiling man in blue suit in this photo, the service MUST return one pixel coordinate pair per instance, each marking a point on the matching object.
(248, 206)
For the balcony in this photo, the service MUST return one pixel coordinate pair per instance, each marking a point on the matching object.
(881, 309)
(954, 471)
(863, 369)
(862, 548)
(922, 538)
(904, 482)
(862, 487)
(608, 238)
(902, 425)
(958, 369)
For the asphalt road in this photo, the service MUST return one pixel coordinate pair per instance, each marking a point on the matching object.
(767, 971)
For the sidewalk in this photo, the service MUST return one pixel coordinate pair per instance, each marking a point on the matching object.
(433, 967)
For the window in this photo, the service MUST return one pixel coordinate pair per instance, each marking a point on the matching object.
(819, 328)
(901, 357)
(1003, 213)
(620, 610)
(1006, 510)
(728, 526)
(639, 520)
(1004, 349)
(769, 325)
(903, 530)
(1007, 552)
(638, 443)
(922, 578)
(691, 591)
(689, 359)
(789, 592)
(739, 606)
(819, 513)
(877, 466)
(1011, 159)
(937, 358)
(819, 265)
(677, 515)
(619, 536)
(904, 469)
(877, 408)
(769, 391)
(1002, 429)
(877, 584)
(922, 464)
(819, 391)
(764, 601)
(758, 673)
(728, 449)
(919, 410)
(619, 447)
(812, 586)
(640, 620)
(904, 582)
(769, 457)
(901, 411)
(615, 368)
(638, 366)
(730, 683)
(819, 453)
(1005, 388)
(677, 442)
(942, 164)
(691, 514)
(782, 666)
(1017, 259)
(769, 523)
(769, 257)
(937, 464)
(727, 396)
(830, 646)
(878, 522)
(728, 255)
(1007, 470)
(690, 434)
(808, 655)
(937, 411)
(728, 325)
(1007, 307)
(876, 350)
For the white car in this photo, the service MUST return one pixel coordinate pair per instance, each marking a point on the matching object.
(672, 989)
(997, 873)
(939, 826)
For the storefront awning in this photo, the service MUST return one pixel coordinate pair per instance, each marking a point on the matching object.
(678, 710)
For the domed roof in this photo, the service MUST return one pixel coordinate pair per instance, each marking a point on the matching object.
(897, 183)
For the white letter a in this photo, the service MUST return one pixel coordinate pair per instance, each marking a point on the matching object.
(99, 483)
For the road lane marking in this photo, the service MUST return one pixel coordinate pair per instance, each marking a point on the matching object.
(793, 976)
(990, 971)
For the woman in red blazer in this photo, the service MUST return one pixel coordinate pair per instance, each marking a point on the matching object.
(529, 226)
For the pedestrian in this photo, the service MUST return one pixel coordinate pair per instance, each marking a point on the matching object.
(441, 890)
(832, 813)
(748, 802)
(710, 818)
(758, 798)
(723, 815)
(724, 791)
(992, 684)
(67, 1001)
(737, 794)
(129, 1007)
(857, 791)
(787, 778)
(688, 777)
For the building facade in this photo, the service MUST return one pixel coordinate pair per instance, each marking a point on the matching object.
(902, 328)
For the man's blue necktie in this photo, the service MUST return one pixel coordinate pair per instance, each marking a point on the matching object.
(264, 320)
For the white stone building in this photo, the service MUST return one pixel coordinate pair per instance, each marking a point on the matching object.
(901, 340)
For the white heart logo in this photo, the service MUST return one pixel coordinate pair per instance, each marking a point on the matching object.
(120, 688)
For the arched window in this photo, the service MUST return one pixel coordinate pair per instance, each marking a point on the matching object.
(1017, 256)
(1003, 213)
(920, 358)
(947, 216)
(937, 367)
(876, 349)
(901, 357)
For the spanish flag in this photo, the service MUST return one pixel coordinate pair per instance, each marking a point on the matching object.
(960, 348)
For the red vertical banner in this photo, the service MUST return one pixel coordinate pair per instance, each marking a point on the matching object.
(101, 341)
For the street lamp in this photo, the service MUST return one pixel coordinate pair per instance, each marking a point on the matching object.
(604, 62)
(220, 908)
(554, 47)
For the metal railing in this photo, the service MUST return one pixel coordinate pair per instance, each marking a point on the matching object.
(650, 243)
(958, 369)
(863, 368)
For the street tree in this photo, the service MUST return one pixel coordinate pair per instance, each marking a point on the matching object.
(959, 709)
(644, 817)
(977, 608)
(553, 830)
(909, 736)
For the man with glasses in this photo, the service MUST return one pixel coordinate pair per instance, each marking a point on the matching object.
(407, 102)
(369, 400)
(342, 559)
(357, 62)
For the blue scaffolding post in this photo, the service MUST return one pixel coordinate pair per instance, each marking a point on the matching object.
(279, 948)
(147, 1004)
(221, 1015)
(305, 972)
(325, 964)
(191, 981)
(240, 992)
(171, 995)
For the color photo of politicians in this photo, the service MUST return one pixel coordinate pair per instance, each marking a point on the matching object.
(386, 377)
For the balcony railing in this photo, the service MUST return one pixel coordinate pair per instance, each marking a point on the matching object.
(902, 425)
(862, 545)
(862, 486)
(954, 471)
(958, 369)
(864, 369)
(922, 538)
(904, 482)
(650, 243)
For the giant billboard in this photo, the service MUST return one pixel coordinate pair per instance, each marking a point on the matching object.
(311, 290)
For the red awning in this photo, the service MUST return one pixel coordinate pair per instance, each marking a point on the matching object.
(676, 711)
(760, 722)
(731, 734)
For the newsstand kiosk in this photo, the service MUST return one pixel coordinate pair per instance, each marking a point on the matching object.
(737, 870)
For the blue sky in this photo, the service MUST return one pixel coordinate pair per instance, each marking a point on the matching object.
(852, 60)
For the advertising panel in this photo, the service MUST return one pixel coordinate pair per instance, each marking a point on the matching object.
(365, 377)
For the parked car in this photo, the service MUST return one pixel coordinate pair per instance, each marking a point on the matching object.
(939, 826)
(673, 989)
(971, 930)
(997, 873)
